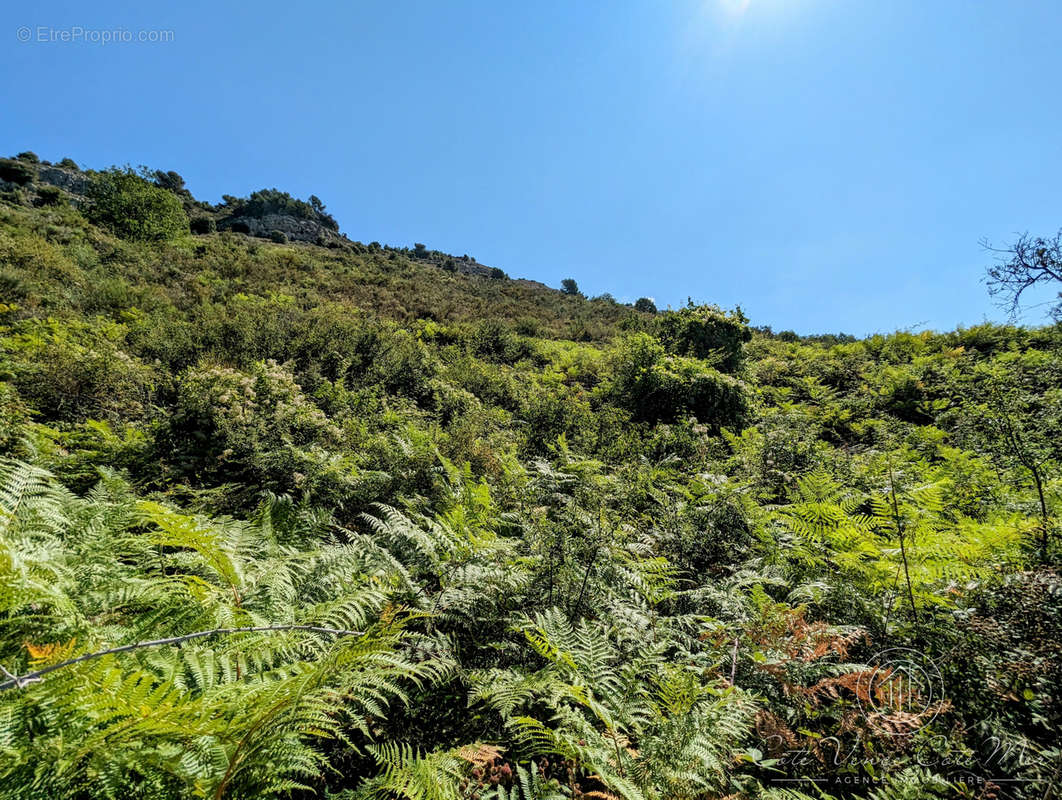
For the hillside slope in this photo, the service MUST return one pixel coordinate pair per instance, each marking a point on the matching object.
(451, 535)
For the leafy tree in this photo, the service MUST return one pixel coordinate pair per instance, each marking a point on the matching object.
(171, 181)
(133, 207)
(569, 286)
(645, 305)
(274, 201)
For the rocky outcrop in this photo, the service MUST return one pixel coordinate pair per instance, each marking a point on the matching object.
(72, 181)
(294, 228)
(466, 265)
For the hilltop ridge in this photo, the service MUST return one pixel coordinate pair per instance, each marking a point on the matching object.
(267, 213)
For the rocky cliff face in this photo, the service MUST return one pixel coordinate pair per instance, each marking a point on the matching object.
(72, 181)
(294, 228)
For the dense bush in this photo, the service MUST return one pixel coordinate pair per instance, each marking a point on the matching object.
(18, 172)
(244, 425)
(49, 196)
(202, 225)
(705, 332)
(80, 371)
(13, 416)
(133, 207)
(657, 387)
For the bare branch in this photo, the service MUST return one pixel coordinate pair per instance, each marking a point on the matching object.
(1028, 262)
(20, 681)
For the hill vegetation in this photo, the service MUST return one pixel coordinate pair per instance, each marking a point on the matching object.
(294, 519)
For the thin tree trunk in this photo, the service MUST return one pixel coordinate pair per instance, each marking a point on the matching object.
(903, 547)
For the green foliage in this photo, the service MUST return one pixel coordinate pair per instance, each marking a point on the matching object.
(401, 531)
(17, 171)
(49, 196)
(255, 426)
(705, 332)
(203, 225)
(13, 416)
(78, 371)
(569, 286)
(274, 201)
(133, 207)
(655, 386)
(231, 716)
(645, 305)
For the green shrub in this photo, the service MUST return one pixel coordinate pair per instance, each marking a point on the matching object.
(492, 340)
(528, 326)
(551, 413)
(233, 423)
(655, 387)
(18, 172)
(569, 286)
(404, 366)
(705, 332)
(29, 156)
(13, 416)
(69, 163)
(35, 257)
(77, 371)
(133, 207)
(50, 196)
(645, 305)
(202, 225)
(278, 236)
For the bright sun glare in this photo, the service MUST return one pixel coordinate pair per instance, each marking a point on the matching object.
(735, 7)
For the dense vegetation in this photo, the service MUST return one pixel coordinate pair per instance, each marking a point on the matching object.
(285, 520)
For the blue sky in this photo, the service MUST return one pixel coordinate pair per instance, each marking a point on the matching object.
(829, 165)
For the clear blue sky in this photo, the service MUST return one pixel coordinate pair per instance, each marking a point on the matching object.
(826, 164)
